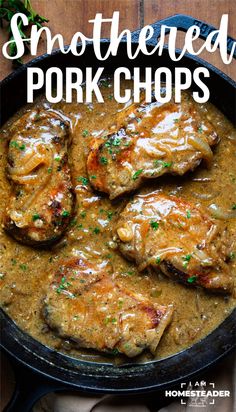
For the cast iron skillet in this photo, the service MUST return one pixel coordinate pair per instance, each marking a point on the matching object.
(41, 369)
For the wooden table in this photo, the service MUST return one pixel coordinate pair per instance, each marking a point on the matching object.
(70, 16)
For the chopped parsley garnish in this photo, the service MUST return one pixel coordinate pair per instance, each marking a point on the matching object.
(83, 180)
(96, 230)
(188, 214)
(136, 174)
(109, 256)
(109, 215)
(110, 97)
(93, 177)
(192, 279)
(127, 346)
(36, 216)
(73, 222)
(83, 214)
(109, 319)
(57, 158)
(116, 141)
(232, 255)
(17, 146)
(13, 143)
(85, 133)
(154, 225)
(158, 260)
(65, 213)
(63, 285)
(162, 163)
(23, 266)
(105, 83)
(114, 352)
(103, 160)
(120, 302)
(113, 142)
(186, 260)
(49, 170)
(234, 206)
(200, 129)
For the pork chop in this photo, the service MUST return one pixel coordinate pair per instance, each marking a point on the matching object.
(176, 237)
(84, 304)
(147, 141)
(42, 201)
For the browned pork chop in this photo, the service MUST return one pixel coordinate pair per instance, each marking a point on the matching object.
(85, 305)
(147, 141)
(175, 236)
(42, 200)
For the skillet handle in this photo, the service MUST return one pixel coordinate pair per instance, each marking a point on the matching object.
(30, 387)
(183, 22)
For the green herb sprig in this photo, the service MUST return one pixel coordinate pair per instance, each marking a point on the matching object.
(7, 10)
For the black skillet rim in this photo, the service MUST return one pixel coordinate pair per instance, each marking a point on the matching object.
(107, 378)
(104, 378)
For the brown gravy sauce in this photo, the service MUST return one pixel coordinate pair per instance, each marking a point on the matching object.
(26, 272)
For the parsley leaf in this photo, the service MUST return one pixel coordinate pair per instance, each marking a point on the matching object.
(136, 174)
(103, 160)
(188, 214)
(154, 225)
(8, 8)
(83, 180)
(162, 163)
(85, 133)
(192, 279)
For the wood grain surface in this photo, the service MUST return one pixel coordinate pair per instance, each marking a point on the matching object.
(67, 17)
(209, 11)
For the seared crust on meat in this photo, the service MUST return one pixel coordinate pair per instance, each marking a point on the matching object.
(42, 201)
(87, 306)
(147, 141)
(174, 236)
